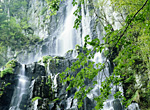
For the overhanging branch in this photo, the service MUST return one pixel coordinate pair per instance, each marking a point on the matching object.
(128, 23)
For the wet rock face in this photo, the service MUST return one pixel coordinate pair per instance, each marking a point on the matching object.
(133, 106)
(34, 70)
(117, 105)
(45, 28)
(48, 87)
(52, 92)
(7, 85)
(41, 88)
(58, 65)
(5, 99)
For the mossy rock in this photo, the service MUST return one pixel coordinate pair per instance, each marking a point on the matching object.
(6, 71)
(70, 51)
(11, 64)
(9, 68)
(59, 57)
(45, 58)
(36, 98)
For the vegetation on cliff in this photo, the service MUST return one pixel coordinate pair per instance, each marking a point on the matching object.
(128, 51)
(8, 68)
(127, 48)
(14, 28)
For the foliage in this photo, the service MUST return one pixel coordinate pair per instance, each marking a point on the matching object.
(127, 47)
(6, 71)
(45, 59)
(2, 87)
(14, 28)
(1, 93)
(11, 63)
(8, 68)
(49, 81)
(53, 6)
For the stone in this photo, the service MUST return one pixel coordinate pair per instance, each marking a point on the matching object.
(133, 106)
(117, 105)
(35, 70)
(11, 81)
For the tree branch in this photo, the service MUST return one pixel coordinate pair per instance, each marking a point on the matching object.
(128, 23)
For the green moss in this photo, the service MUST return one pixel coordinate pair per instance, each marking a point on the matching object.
(2, 87)
(45, 58)
(6, 71)
(58, 57)
(49, 81)
(32, 78)
(42, 26)
(55, 99)
(17, 53)
(11, 64)
(7, 84)
(1, 93)
(8, 68)
(39, 61)
(77, 48)
(70, 51)
(57, 62)
(36, 98)
(136, 97)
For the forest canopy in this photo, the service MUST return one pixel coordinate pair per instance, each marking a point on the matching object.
(13, 25)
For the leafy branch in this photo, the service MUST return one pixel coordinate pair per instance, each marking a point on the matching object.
(129, 22)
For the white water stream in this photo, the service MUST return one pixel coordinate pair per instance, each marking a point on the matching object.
(68, 38)
(18, 102)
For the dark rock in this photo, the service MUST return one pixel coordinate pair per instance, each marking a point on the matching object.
(41, 89)
(71, 92)
(133, 106)
(88, 104)
(34, 70)
(7, 85)
(63, 104)
(51, 106)
(58, 65)
(117, 105)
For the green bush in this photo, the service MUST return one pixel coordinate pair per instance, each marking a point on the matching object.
(11, 64)
(6, 71)
(8, 68)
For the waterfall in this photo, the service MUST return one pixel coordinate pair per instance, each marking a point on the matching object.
(35, 104)
(55, 86)
(68, 38)
(18, 101)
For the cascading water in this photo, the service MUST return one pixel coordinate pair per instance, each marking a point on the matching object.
(18, 101)
(68, 38)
